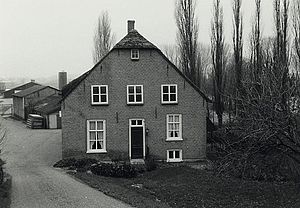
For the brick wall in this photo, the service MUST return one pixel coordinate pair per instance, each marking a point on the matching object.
(117, 71)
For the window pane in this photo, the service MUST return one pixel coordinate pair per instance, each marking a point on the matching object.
(95, 98)
(92, 125)
(176, 126)
(100, 135)
(172, 97)
(92, 136)
(165, 97)
(103, 90)
(172, 89)
(170, 119)
(171, 155)
(171, 134)
(176, 133)
(176, 118)
(133, 122)
(99, 145)
(93, 145)
(139, 122)
(177, 154)
(165, 89)
(131, 89)
(138, 98)
(95, 90)
(100, 125)
(138, 89)
(103, 98)
(131, 98)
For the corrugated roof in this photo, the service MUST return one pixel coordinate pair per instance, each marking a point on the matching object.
(135, 40)
(48, 105)
(29, 91)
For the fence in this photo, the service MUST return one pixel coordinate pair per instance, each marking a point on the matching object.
(5, 109)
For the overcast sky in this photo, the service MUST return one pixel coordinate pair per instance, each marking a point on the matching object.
(39, 38)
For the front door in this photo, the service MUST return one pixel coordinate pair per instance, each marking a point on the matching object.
(136, 138)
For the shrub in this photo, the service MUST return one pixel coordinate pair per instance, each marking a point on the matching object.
(122, 170)
(1, 171)
(150, 164)
(64, 163)
(84, 164)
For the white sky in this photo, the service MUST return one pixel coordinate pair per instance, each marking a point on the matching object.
(39, 38)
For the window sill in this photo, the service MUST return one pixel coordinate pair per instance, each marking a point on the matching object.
(174, 160)
(174, 140)
(95, 104)
(96, 151)
(135, 103)
(169, 103)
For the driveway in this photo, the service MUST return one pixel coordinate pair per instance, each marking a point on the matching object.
(29, 155)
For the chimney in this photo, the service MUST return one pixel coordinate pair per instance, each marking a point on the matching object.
(130, 25)
(62, 79)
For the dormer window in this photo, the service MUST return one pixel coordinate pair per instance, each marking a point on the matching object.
(135, 54)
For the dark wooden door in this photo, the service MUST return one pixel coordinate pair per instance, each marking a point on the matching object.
(137, 142)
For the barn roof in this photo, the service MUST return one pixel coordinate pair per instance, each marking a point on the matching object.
(31, 90)
(48, 105)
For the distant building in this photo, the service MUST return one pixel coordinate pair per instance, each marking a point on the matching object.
(49, 109)
(2, 87)
(24, 101)
(9, 93)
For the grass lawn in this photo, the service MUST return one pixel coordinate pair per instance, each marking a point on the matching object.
(187, 187)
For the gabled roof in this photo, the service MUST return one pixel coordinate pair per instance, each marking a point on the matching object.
(48, 105)
(132, 40)
(24, 86)
(31, 90)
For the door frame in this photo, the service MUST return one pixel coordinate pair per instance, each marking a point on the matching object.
(144, 135)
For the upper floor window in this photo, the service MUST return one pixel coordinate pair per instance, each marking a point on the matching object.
(169, 94)
(96, 136)
(174, 127)
(135, 54)
(99, 94)
(134, 94)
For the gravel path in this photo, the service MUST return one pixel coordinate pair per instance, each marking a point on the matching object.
(29, 155)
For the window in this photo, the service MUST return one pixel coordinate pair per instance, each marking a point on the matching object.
(96, 136)
(174, 127)
(169, 94)
(134, 94)
(135, 54)
(99, 94)
(174, 155)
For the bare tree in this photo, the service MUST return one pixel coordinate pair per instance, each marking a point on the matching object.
(256, 48)
(103, 38)
(296, 30)
(281, 52)
(217, 53)
(238, 43)
(171, 51)
(187, 37)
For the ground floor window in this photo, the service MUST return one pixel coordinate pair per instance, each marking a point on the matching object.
(96, 136)
(174, 155)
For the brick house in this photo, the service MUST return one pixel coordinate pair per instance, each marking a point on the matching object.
(24, 101)
(131, 104)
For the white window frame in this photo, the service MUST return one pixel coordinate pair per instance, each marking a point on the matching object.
(89, 150)
(135, 54)
(179, 138)
(135, 94)
(92, 95)
(169, 94)
(174, 159)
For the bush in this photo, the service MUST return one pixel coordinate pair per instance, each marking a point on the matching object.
(1, 171)
(150, 164)
(121, 170)
(84, 164)
(64, 163)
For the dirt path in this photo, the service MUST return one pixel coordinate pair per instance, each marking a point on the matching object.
(30, 155)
